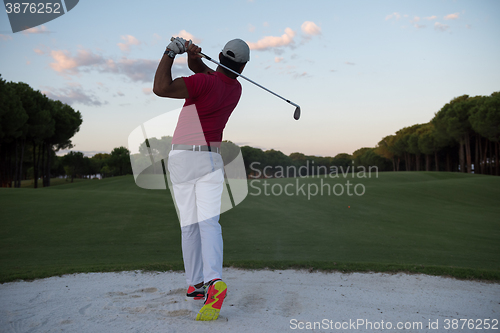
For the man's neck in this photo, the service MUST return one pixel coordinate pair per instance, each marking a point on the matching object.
(227, 73)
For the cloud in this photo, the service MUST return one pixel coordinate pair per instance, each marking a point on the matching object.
(42, 49)
(138, 70)
(5, 37)
(180, 67)
(147, 91)
(278, 59)
(416, 19)
(180, 60)
(74, 84)
(187, 36)
(269, 42)
(415, 24)
(349, 63)
(65, 63)
(36, 30)
(251, 28)
(441, 27)
(310, 28)
(451, 16)
(129, 41)
(397, 16)
(278, 51)
(72, 95)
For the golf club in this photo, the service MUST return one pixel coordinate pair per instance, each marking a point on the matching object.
(296, 114)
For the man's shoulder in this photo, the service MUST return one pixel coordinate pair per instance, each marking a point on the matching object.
(202, 77)
(212, 80)
(215, 77)
(198, 75)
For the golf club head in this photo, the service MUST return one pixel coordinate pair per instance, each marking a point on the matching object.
(296, 114)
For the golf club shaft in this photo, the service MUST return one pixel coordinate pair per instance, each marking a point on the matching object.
(258, 85)
(232, 71)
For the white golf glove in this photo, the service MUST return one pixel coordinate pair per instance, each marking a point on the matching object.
(178, 45)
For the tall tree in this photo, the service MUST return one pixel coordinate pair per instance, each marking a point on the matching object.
(74, 163)
(120, 161)
(342, 160)
(275, 159)
(42, 127)
(67, 123)
(413, 148)
(385, 149)
(39, 125)
(367, 158)
(428, 145)
(99, 160)
(12, 119)
(454, 117)
(402, 144)
(254, 159)
(485, 120)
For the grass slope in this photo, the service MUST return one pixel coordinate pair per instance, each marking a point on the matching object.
(435, 223)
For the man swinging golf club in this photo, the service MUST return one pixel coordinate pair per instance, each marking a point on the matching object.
(195, 164)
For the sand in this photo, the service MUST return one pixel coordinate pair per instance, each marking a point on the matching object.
(257, 301)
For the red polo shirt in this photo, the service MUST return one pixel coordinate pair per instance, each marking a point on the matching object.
(212, 99)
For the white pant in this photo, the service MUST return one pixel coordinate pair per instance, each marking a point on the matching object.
(197, 183)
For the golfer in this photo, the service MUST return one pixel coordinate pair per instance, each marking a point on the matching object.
(195, 164)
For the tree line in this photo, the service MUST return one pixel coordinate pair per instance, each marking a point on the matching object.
(464, 127)
(32, 128)
(256, 161)
(463, 136)
(75, 165)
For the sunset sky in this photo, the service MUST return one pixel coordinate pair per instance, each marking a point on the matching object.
(360, 70)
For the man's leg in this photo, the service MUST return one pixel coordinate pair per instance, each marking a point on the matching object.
(208, 201)
(208, 198)
(192, 254)
(212, 248)
(185, 198)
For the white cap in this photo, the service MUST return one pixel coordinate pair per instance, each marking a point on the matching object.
(237, 50)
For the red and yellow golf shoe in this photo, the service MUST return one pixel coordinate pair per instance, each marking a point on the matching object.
(216, 292)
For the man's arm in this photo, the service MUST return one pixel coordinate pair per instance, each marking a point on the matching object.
(194, 60)
(163, 85)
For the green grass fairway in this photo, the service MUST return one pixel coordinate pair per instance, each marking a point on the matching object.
(431, 222)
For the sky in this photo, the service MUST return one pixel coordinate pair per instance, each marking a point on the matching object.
(360, 70)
